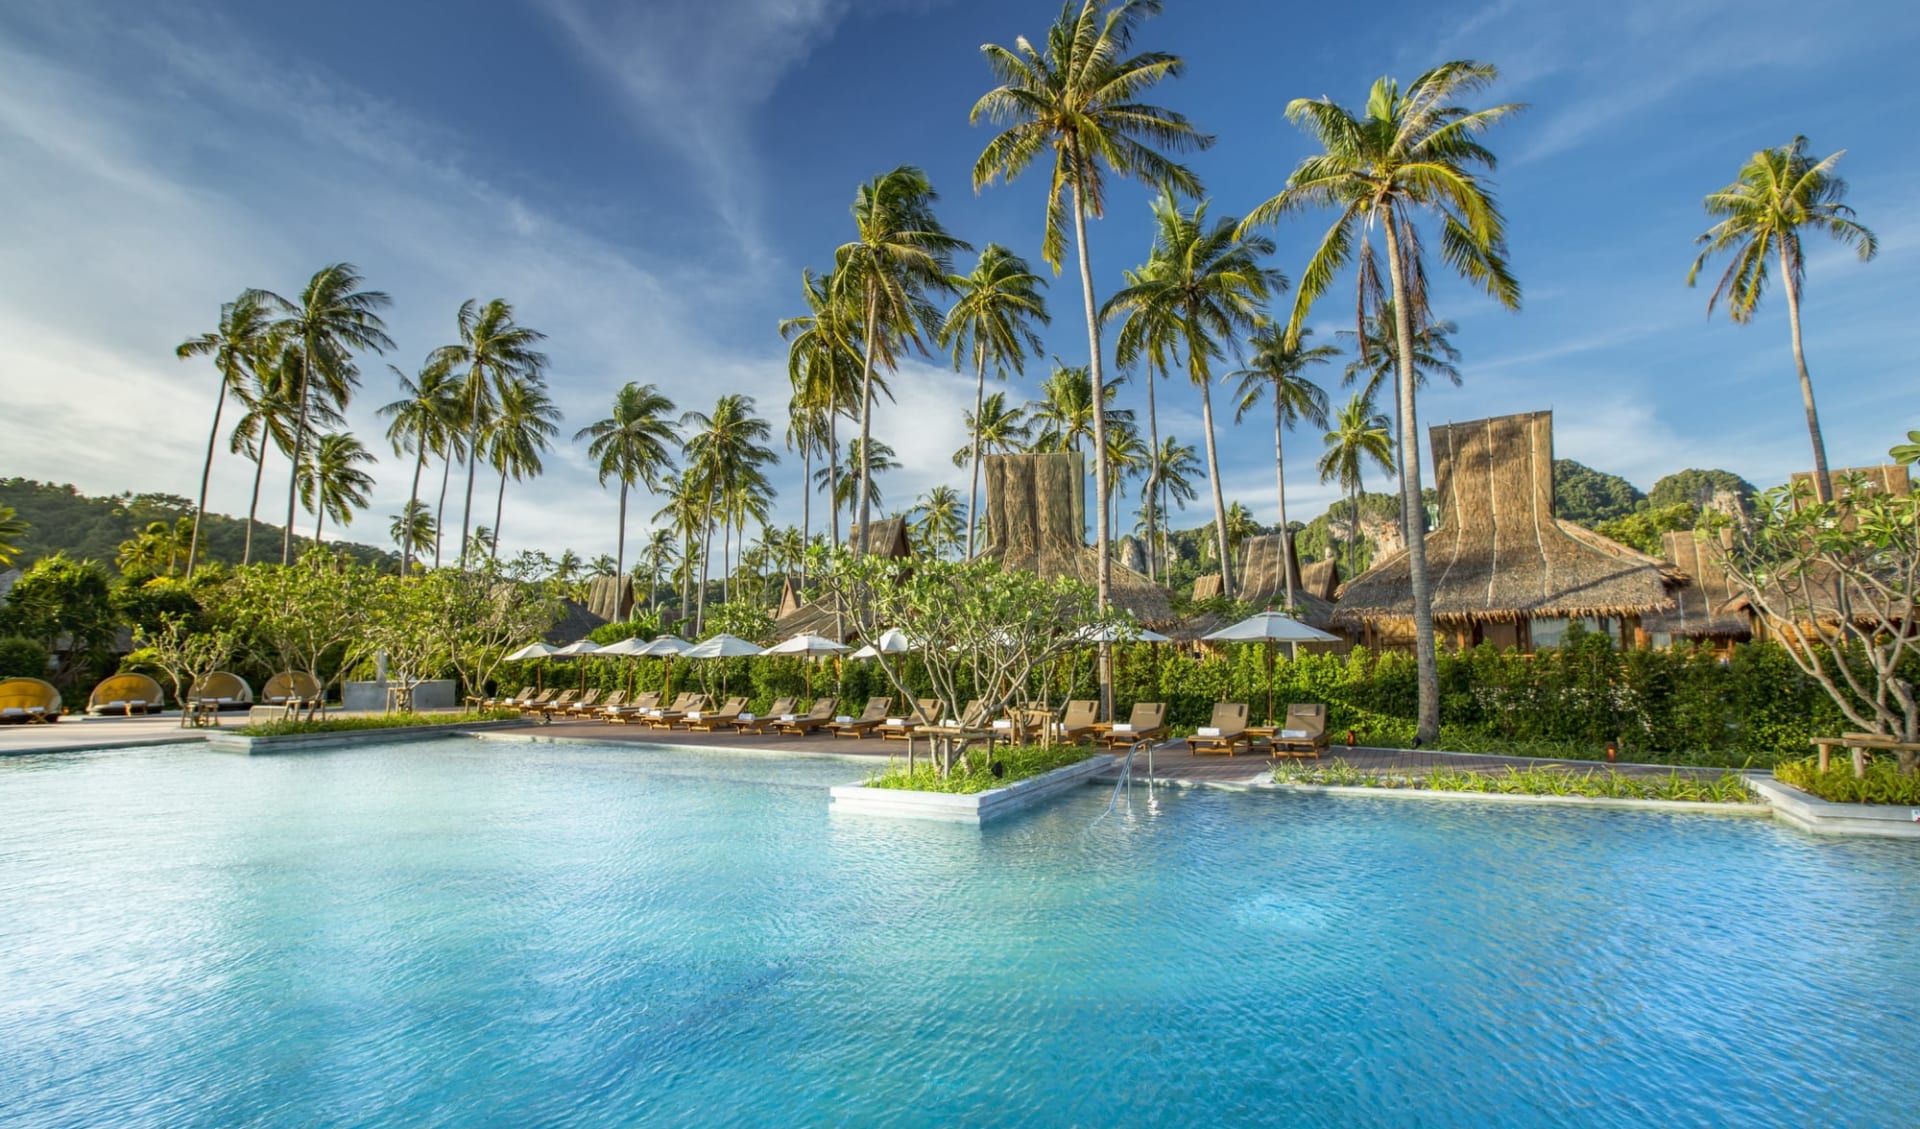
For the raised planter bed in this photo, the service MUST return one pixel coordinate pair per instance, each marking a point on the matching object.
(305, 742)
(1824, 817)
(1691, 807)
(975, 808)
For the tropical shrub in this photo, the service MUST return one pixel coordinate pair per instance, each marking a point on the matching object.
(975, 772)
(21, 657)
(1884, 783)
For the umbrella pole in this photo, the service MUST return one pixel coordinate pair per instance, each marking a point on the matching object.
(1269, 682)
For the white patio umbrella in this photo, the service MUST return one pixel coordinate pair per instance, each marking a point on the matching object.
(892, 641)
(625, 649)
(1271, 628)
(666, 647)
(535, 650)
(1132, 633)
(722, 646)
(808, 644)
(579, 647)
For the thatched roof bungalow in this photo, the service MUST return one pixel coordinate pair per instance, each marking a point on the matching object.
(1036, 520)
(1263, 580)
(1703, 609)
(886, 537)
(1504, 569)
(1819, 597)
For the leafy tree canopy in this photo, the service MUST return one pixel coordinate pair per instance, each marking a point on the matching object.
(1722, 490)
(1588, 497)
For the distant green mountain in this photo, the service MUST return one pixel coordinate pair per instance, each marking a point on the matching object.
(61, 517)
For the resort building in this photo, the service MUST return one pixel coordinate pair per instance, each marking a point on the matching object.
(1505, 570)
(1705, 609)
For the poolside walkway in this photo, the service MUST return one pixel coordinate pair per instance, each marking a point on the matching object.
(1170, 761)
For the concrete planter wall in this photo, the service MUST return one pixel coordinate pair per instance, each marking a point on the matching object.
(1824, 817)
(308, 742)
(371, 697)
(978, 808)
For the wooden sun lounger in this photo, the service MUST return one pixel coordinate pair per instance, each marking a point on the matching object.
(869, 719)
(558, 705)
(632, 710)
(759, 723)
(1078, 722)
(1304, 734)
(925, 712)
(686, 703)
(1229, 731)
(538, 704)
(821, 714)
(1147, 722)
(510, 702)
(707, 721)
(583, 706)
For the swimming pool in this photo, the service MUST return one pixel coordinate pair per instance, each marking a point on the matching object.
(484, 933)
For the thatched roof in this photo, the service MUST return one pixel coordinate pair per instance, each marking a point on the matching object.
(1322, 578)
(888, 538)
(1888, 479)
(794, 615)
(1207, 587)
(1702, 608)
(1817, 597)
(1498, 553)
(1262, 581)
(610, 598)
(1036, 515)
(576, 621)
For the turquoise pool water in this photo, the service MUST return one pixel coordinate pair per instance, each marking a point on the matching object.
(470, 933)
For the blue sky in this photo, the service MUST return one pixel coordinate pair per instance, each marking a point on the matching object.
(645, 182)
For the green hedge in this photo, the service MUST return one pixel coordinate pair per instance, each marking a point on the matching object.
(1604, 783)
(1883, 784)
(382, 721)
(975, 773)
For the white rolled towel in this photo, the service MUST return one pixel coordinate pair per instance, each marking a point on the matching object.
(843, 719)
(1003, 723)
(1207, 731)
(1123, 727)
(1294, 734)
(748, 717)
(789, 717)
(896, 721)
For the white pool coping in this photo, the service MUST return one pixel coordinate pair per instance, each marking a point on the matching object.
(975, 808)
(1824, 817)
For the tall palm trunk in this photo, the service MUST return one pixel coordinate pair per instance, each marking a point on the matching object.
(206, 471)
(1153, 480)
(706, 551)
(1219, 499)
(1822, 484)
(1280, 491)
(253, 506)
(1353, 527)
(319, 515)
(620, 542)
(499, 510)
(299, 452)
(833, 470)
(1103, 547)
(473, 451)
(806, 503)
(1413, 514)
(866, 422)
(440, 511)
(979, 405)
(413, 506)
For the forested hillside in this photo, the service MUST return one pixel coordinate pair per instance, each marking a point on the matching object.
(60, 517)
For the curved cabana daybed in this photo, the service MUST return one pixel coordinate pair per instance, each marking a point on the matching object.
(126, 694)
(290, 686)
(228, 691)
(28, 701)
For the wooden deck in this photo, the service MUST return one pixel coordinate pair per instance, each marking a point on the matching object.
(1171, 761)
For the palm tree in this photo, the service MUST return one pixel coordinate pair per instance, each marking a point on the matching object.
(412, 526)
(631, 445)
(824, 365)
(1080, 100)
(1278, 367)
(1411, 151)
(1126, 456)
(233, 344)
(725, 450)
(684, 514)
(877, 463)
(331, 481)
(1377, 345)
(517, 434)
(270, 398)
(1779, 192)
(1147, 333)
(425, 418)
(998, 428)
(1064, 412)
(333, 318)
(12, 532)
(940, 516)
(495, 351)
(1169, 482)
(1359, 434)
(1205, 283)
(899, 254)
(993, 321)
(659, 555)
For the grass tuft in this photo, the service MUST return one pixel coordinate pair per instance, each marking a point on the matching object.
(383, 721)
(974, 773)
(1605, 783)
